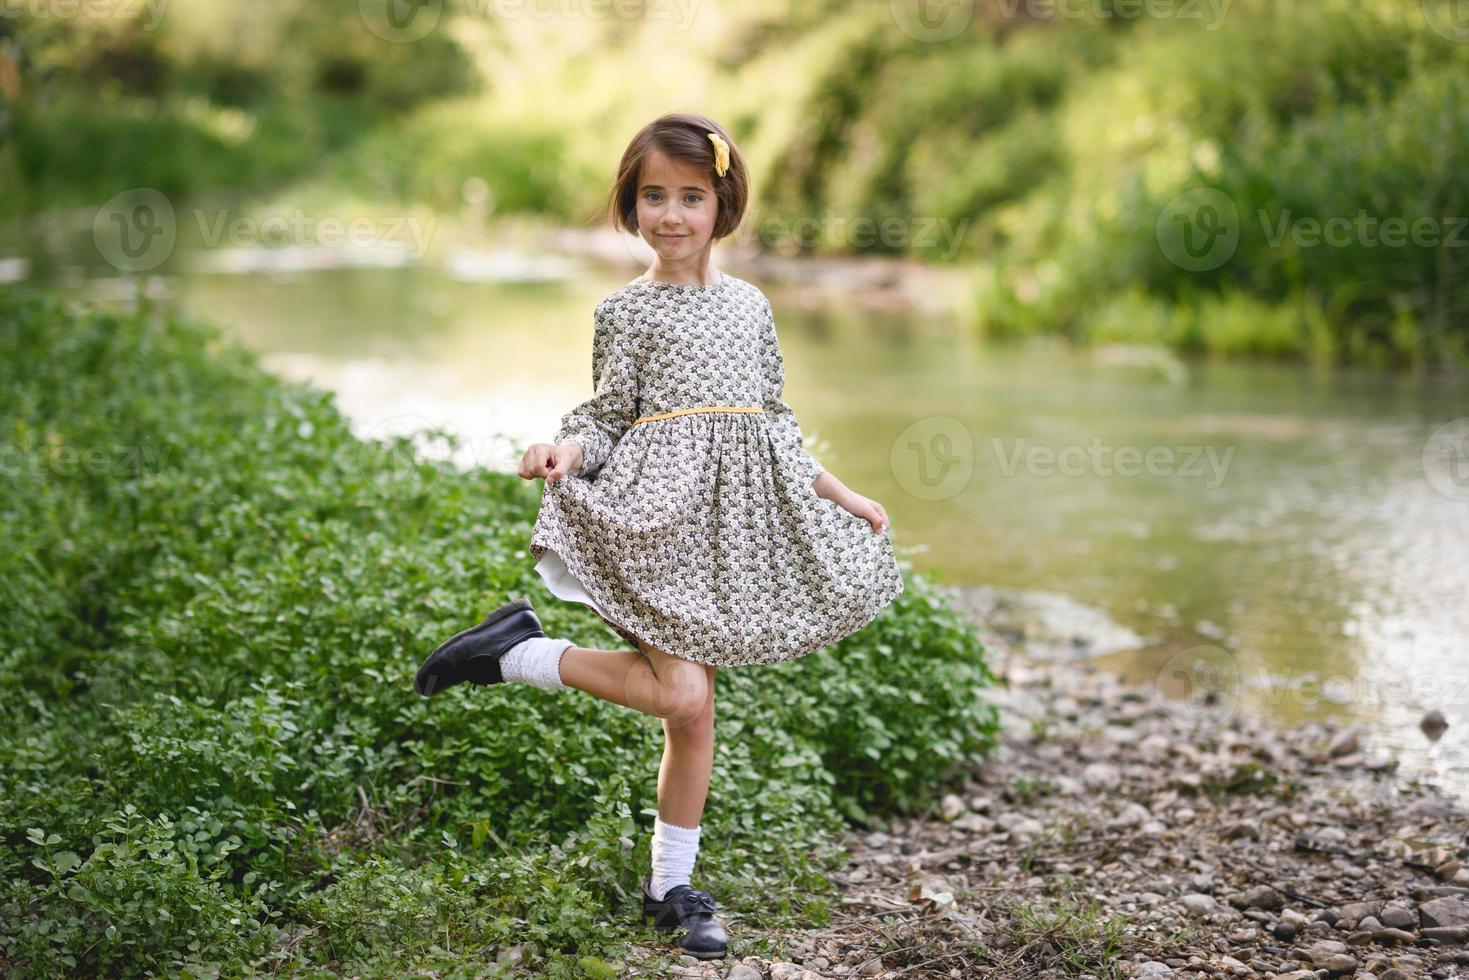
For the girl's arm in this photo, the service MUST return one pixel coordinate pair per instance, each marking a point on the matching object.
(599, 422)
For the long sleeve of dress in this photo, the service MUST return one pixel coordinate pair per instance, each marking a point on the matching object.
(783, 424)
(600, 421)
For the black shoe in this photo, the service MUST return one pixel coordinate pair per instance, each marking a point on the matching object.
(692, 910)
(473, 655)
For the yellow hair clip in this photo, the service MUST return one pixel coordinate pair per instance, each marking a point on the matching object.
(721, 153)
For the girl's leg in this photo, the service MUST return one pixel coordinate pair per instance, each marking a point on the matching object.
(683, 787)
(688, 758)
(646, 679)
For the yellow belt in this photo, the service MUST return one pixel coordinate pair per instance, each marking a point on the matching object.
(700, 408)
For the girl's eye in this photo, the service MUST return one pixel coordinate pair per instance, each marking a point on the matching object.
(688, 198)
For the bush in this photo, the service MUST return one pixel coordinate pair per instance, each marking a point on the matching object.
(217, 597)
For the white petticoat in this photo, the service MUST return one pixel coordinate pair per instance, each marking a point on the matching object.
(562, 584)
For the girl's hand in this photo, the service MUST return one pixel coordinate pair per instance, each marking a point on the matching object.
(867, 509)
(551, 461)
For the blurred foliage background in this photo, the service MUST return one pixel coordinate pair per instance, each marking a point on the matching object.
(1049, 136)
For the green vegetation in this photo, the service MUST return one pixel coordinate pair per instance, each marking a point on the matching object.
(214, 94)
(1075, 936)
(215, 599)
(1040, 148)
(1058, 145)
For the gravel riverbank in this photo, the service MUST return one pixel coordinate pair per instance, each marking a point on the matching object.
(1116, 833)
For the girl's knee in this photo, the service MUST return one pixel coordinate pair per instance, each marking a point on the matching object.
(684, 687)
(688, 697)
(691, 723)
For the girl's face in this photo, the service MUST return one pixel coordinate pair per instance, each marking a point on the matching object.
(676, 208)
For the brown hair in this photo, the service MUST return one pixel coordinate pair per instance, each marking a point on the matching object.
(685, 137)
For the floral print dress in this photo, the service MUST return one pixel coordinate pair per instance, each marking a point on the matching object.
(699, 532)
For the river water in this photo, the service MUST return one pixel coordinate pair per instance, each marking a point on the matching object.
(1304, 533)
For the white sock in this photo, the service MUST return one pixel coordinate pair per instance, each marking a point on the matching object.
(536, 660)
(674, 851)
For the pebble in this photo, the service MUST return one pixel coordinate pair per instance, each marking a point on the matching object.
(1132, 815)
(1397, 917)
(1136, 819)
(1101, 775)
(1198, 904)
(1028, 828)
(973, 823)
(1433, 724)
(1258, 897)
(1447, 911)
(1345, 743)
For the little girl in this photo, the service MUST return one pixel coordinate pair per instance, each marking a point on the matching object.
(680, 505)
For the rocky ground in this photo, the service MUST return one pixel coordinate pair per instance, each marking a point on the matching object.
(1119, 834)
